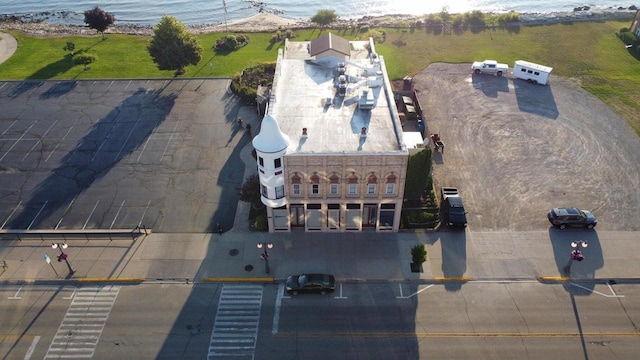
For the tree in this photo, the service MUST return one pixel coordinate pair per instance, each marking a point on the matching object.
(172, 47)
(71, 47)
(99, 19)
(324, 17)
(84, 59)
(250, 191)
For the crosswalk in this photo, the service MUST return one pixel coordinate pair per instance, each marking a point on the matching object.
(82, 325)
(235, 329)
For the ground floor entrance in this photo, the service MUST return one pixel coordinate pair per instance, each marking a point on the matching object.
(335, 217)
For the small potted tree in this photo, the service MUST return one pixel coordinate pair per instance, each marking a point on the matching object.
(418, 256)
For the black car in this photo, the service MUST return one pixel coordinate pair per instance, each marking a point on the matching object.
(574, 217)
(454, 212)
(321, 283)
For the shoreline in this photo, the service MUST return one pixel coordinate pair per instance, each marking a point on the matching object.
(265, 22)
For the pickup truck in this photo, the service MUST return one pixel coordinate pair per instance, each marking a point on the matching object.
(489, 67)
(454, 213)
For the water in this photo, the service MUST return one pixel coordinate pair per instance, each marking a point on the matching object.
(202, 12)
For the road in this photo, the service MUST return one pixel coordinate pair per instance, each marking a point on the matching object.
(394, 320)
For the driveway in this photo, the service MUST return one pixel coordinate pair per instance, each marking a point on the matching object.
(515, 149)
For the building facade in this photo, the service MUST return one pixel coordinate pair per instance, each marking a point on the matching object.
(330, 151)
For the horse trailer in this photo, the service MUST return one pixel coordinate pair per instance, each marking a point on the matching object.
(533, 73)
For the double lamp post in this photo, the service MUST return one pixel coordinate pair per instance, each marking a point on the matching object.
(265, 255)
(63, 255)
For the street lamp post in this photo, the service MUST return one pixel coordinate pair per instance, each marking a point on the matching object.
(63, 255)
(576, 254)
(265, 255)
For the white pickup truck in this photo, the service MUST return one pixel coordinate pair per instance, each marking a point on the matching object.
(489, 67)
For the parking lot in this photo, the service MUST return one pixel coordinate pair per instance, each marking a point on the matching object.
(116, 154)
(516, 150)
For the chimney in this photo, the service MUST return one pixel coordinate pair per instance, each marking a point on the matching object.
(304, 132)
(363, 132)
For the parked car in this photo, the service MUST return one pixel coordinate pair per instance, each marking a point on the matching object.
(570, 216)
(320, 283)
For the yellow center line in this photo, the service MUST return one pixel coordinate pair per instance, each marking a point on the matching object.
(462, 334)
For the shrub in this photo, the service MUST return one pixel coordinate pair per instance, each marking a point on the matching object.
(231, 42)
(418, 254)
(364, 28)
(261, 222)
(378, 36)
(628, 38)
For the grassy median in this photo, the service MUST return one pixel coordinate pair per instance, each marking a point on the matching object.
(587, 52)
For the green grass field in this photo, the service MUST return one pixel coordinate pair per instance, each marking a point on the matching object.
(587, 52)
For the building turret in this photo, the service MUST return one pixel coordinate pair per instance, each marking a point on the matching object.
(271, 145)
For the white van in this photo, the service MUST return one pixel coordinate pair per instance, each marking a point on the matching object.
(533, 73)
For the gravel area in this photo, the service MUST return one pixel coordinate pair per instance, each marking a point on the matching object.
(515, 149)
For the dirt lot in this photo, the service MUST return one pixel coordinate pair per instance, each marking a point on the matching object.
(516, 149)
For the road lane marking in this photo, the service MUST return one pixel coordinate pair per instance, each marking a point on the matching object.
(32, 348)
(235, 329)
(276, 312)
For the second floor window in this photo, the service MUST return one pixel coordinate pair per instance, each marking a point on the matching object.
(371, 189)
(315, 189)
(353, 189)
(263, 190)
(279, 192)
(333, 189)
(391, 189)
(296, 189)
(277, 163)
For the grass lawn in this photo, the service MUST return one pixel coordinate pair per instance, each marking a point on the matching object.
(587, 52)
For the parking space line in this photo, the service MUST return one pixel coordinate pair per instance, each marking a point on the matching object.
(65, 212)
(15, 296)
(170, 139)
(9, 128)
(125, 141)
(117, 213)
(58, 144)
(89, 217)
(599, 293)
(38, 214)
(340, 297)
(17, 141)
(144, 213)
(10, 215)
(412, 295)
(41, 139)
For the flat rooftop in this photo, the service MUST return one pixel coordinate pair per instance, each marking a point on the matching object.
(306, 96)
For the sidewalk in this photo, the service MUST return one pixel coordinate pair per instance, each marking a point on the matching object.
(8, 46)
(351, 257)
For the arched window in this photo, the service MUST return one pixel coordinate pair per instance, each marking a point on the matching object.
(353, 185)
(390, 188)
(372, 181)
(334, 185)
(296, 183)
(315, 184)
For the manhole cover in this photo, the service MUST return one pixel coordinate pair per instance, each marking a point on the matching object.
(233, 252)
(248, 267)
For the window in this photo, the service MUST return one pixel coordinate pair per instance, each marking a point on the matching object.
(315, 185)
(334, 188)
(371, 189)
(391, 189)
(372, 180)
(391, 185)
(353, 185)
(296, 190)
(261, 161)
(279, 192)
(277, 163)
(263, 190)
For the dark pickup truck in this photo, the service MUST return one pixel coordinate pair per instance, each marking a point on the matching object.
(454, 213)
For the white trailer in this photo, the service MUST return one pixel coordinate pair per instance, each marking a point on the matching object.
(533, 73)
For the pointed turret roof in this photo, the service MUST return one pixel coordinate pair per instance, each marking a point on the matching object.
(270, 139)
